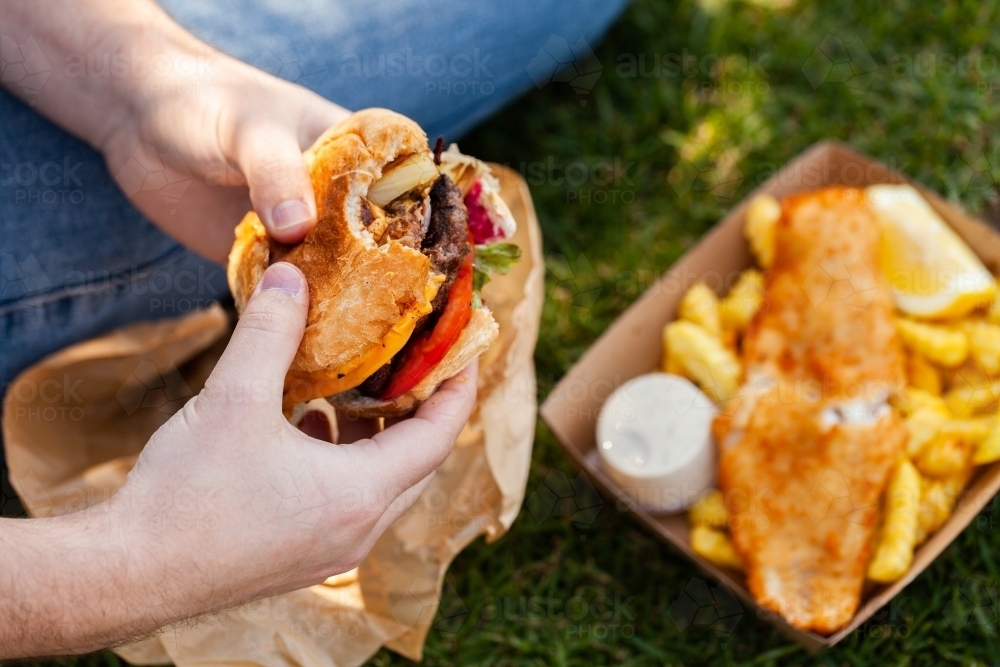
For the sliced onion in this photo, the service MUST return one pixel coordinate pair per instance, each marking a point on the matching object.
(416, 170)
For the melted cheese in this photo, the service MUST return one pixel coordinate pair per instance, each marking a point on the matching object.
(353, 373)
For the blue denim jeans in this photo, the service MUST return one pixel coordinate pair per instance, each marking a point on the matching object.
(78, 259)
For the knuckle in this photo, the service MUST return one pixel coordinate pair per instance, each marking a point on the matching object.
(277, 174)
(241, 394)
(260, 319)
(196, 412)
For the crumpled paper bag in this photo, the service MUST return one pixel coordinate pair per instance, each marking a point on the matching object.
(75, 423)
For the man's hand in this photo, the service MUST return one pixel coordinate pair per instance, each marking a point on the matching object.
(192, 136)
(236, 147)
(227, 503)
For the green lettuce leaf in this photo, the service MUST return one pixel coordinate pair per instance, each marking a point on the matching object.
(497, 257)
(491, 258)
(479, 278)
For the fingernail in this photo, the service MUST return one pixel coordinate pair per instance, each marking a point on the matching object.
(283, 277)
(289, 214)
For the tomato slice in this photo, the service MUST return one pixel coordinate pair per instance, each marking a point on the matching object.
(428, 351)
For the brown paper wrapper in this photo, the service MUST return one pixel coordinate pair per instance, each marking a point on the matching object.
(75, 423)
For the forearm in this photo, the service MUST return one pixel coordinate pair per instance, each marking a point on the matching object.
(104, 57)
(74, 584)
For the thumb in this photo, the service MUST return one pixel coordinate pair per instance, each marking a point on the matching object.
(281, 191)
(254, 364)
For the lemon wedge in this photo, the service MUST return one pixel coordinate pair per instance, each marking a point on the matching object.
(931, 271)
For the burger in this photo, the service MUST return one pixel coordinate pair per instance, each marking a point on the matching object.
(404, 241)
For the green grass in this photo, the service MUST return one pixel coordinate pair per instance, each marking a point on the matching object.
(733, 126)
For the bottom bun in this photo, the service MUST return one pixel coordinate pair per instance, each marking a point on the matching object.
(481, 331)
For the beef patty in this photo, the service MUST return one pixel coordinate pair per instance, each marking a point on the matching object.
(407, 218)
(447, 240)
(445, 243)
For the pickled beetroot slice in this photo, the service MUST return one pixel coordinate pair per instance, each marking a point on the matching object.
(480, 225)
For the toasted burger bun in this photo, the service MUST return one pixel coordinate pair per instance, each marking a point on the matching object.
(364, 298)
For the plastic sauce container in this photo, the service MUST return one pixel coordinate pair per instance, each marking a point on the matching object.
(654, 437)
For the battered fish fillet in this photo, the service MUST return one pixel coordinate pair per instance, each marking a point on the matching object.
(807, 446)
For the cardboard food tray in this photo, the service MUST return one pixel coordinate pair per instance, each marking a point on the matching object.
(632, 347)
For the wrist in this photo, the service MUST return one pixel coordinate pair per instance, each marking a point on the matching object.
(146, 69)
(177, 567)
(70, 584)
